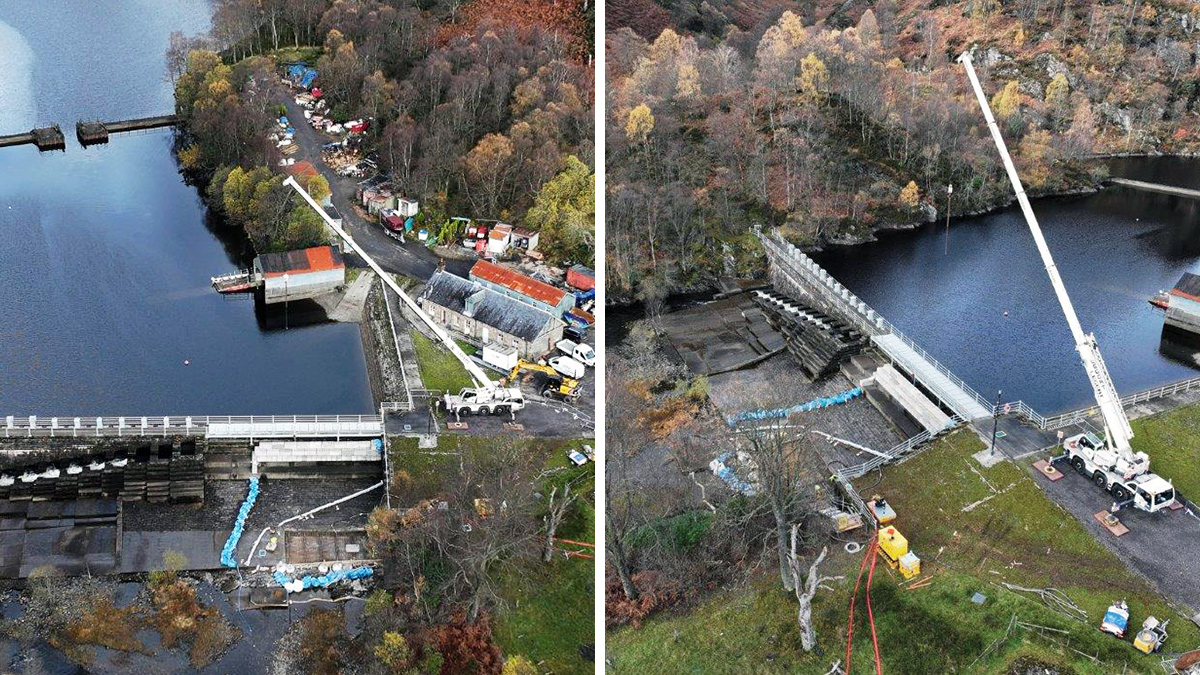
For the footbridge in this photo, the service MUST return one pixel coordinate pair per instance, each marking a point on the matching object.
(794, 271)
(249, 427)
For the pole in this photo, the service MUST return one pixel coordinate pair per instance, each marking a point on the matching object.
(995, 421)
(949, 191)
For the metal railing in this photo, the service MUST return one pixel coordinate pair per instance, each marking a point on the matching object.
(1076, 416)
(898, 452)
(858, 311)
(241, 426)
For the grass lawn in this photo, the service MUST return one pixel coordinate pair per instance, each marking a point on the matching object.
(548, 614)
(1172, 439)
(1019, 536)
(440, 371)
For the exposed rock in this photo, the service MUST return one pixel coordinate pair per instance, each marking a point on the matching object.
(1053, 66)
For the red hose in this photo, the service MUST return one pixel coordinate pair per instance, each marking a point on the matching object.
(850, 621)
(871, 617)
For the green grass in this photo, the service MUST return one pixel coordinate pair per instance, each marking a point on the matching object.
(440, 370)
(1172, 439)
(1019, 536)
(467, 347)
(548, 614)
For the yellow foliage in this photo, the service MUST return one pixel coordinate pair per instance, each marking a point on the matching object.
(813, 78)
(1007, 101)
(639, 124)
(518, 665)
(910, 196)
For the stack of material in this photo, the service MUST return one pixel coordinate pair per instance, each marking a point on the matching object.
(227, 460)
(187, 479)
(134, 485)
(820, 343)
(158, 480)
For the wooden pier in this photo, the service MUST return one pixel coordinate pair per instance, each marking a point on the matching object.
(1156, 187)
(94, 133)
(45, 138)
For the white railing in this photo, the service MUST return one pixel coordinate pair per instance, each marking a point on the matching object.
(232, 426)
(870, 321)
(1076, 416)
(898, 452)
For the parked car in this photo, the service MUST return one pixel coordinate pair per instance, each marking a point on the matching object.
(575, 333)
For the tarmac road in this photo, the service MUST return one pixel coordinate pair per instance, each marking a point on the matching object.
(412, 259)
(1162, 547)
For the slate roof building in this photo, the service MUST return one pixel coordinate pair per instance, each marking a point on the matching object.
(485, 316)
(522, 288)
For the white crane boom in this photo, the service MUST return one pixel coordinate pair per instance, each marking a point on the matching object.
(1116, 424)
(477, 374)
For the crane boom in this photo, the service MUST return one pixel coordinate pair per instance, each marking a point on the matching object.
(1116, 424)
(481, 379)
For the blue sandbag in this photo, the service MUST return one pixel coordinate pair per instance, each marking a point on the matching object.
(239, 525)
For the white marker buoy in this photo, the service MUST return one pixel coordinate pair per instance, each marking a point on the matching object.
(187, 362)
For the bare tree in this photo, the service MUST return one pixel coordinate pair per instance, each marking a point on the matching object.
(557, 509)
(806, 591)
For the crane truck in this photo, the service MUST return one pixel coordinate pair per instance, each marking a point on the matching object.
(1111, 462)
(485, 397)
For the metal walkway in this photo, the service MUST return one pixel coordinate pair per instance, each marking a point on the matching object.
(249, 427)
(1156, 187)
(944, 386)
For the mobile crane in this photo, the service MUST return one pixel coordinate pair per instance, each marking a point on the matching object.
(485, 397)
(1111, 463)
(557, 385)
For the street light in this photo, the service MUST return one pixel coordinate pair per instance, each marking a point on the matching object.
(995, 422)
(949, 191)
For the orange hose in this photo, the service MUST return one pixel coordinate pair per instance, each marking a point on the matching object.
(871, 614)
(853, 598)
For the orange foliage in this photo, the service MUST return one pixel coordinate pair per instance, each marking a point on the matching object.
(556, 16)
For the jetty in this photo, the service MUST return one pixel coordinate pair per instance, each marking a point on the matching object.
(45, 138)
(1156, 187)
(94, 133)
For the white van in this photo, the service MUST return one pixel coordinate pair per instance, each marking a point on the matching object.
(566, 365)
(582, 353)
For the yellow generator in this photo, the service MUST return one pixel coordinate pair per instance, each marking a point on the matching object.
(894, 549)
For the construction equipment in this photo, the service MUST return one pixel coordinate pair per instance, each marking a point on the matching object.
(893, 548)
(485, 397)
(1116, 619)
(557, 386)
(1152, 635)
(1112, 464)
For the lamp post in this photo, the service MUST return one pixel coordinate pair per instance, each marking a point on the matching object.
(949, 191)
(285, 301)
(995, 421)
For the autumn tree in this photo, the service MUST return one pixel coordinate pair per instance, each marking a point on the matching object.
(910, 196)
(565, 213)
(486, 172)
(639, 124)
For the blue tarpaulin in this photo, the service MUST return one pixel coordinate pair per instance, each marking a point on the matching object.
(239, 524)
(308, 78)
(815, 404)
(295, 71)
(408, 224)
(325, 580)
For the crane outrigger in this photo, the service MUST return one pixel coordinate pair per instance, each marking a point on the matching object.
(1111, 462)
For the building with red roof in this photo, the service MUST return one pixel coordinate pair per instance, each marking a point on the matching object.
(520, 287)
(296, 275)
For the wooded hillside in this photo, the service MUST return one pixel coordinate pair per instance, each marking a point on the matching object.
(837, 119)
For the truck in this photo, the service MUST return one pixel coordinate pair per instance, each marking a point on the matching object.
(1111, 462)
(484, 401)
(582, 353)
(566, 366)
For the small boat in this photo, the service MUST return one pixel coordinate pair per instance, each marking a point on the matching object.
(1160, 300)
(74, 469)
(96, 466)
(6, 480)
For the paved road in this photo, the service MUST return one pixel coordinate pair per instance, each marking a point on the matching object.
(1163, 547)
(411, 259)
(543, 419)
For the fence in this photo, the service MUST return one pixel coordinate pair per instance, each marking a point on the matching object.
(227, 426)
(853, 308)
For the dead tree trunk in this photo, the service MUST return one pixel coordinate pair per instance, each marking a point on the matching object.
(557, 511)
(805, 591)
